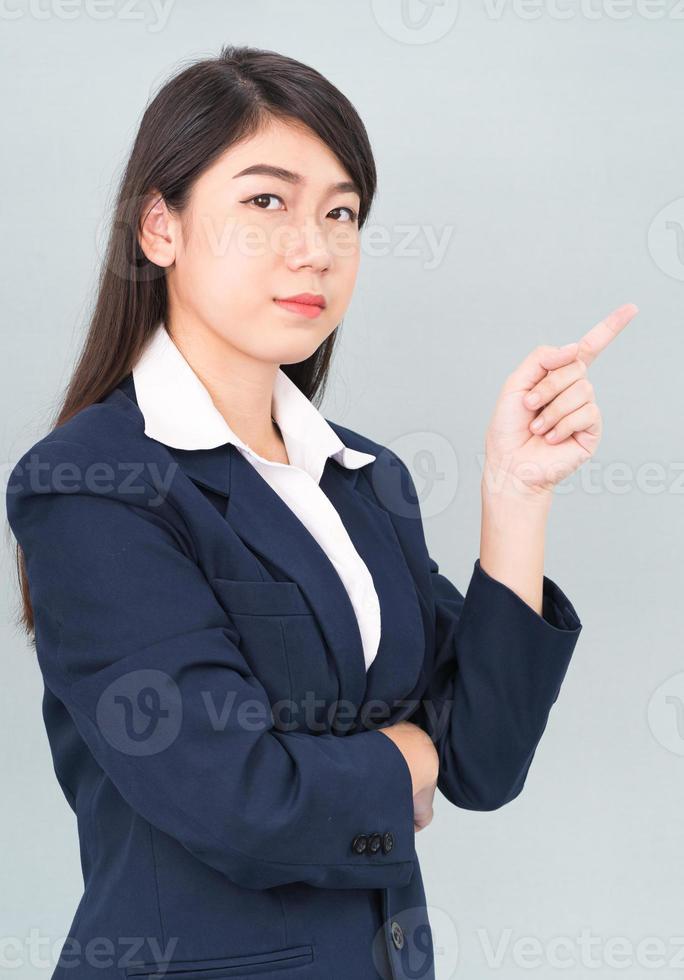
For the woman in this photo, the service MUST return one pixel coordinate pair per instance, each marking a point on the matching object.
(255, 675)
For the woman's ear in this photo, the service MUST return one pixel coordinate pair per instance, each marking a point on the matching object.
(157, 231)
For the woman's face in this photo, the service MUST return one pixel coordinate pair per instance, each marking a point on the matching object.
(249, 239)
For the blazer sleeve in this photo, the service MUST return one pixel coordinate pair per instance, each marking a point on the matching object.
(125, 619)
(497, 671)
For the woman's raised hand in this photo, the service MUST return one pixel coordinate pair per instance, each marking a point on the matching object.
(546, 422)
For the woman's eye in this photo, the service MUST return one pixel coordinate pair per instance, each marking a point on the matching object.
(352, 213)
(263, 197)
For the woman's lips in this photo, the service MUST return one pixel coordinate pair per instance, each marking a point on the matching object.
(308, 310)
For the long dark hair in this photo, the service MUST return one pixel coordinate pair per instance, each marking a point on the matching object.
(196, 115)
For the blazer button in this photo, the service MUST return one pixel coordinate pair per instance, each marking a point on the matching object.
(387, 842)
(397, 935)
(359, 843)
(374, 842)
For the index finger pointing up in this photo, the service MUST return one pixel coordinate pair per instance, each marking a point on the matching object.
(606, 330)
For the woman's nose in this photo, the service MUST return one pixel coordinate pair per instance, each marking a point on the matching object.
(309, 246)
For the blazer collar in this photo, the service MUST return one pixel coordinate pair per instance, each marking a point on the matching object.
(178, 411)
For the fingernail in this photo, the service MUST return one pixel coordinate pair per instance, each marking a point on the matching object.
(568, 346)
(533, 399)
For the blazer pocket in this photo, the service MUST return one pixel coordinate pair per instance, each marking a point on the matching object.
(284, 647)
(260, 598)
(223, 967)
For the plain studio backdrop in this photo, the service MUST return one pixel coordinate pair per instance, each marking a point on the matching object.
(530, 181)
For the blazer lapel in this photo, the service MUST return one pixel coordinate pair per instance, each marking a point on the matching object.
(395, 669)
(265, 523)
(270, 528)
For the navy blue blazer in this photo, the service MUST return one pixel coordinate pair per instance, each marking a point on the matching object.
(211, 719)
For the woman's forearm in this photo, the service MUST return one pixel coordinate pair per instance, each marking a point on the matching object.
(512, 538)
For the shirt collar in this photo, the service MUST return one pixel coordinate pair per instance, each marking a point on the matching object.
(179, 412)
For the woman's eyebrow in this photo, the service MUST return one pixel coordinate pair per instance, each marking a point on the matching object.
(268, 170)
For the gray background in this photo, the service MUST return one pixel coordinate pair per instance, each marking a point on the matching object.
(547, 141)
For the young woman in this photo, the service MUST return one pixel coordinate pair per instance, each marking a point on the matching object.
(255, 674)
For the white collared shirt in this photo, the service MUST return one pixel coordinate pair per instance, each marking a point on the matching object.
(179, 411)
